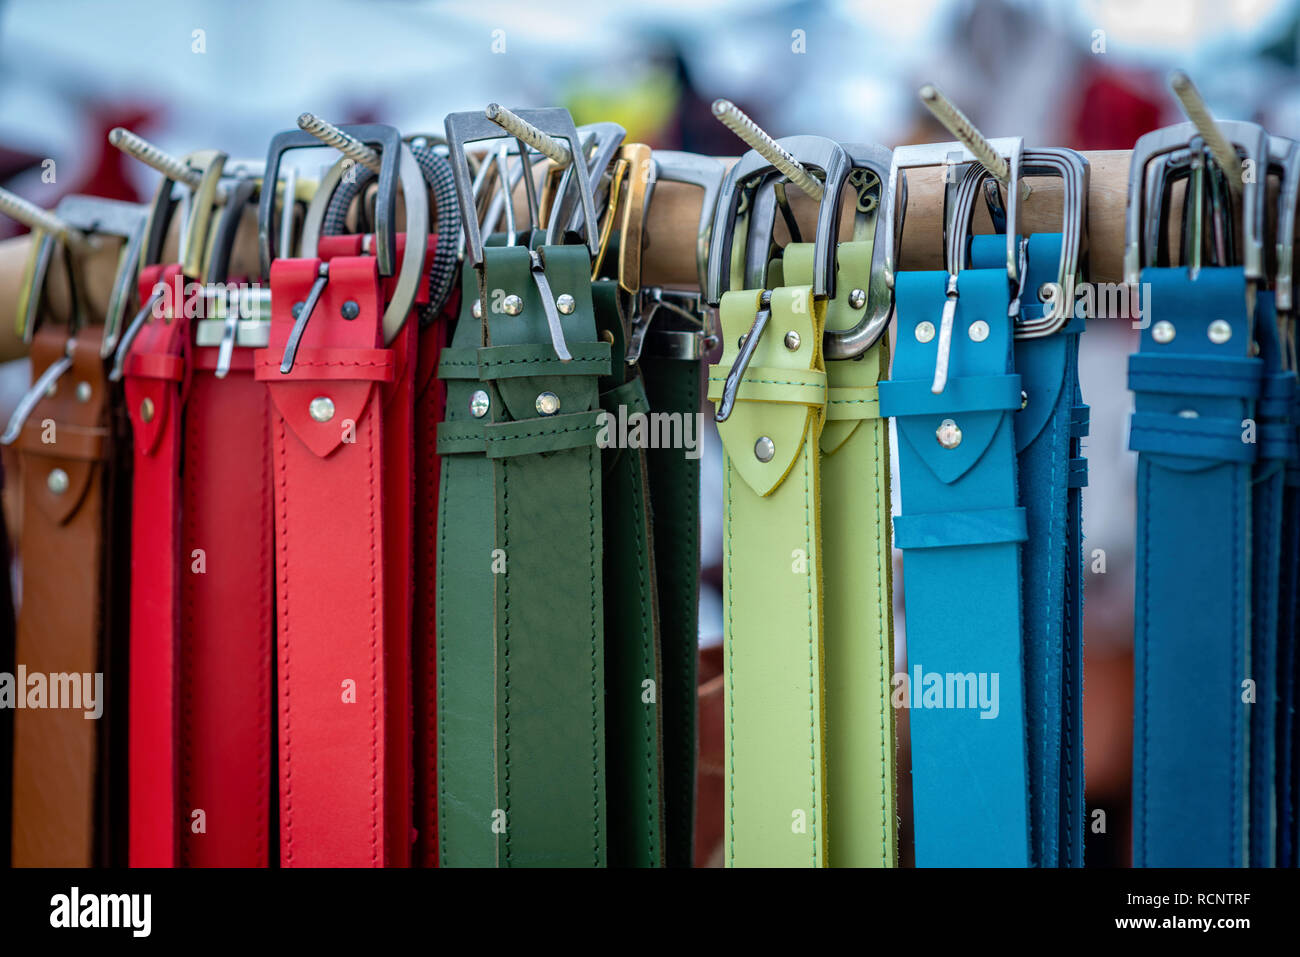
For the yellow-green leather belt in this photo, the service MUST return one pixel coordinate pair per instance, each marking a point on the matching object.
(856, 576)
(775, 760)
(521, 658)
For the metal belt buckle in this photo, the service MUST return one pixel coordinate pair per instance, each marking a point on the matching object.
(695, 334)
(1073, 170)
(557, 124)
(397, 165)
(1174, 147)
(1009, 148)
(815, 153)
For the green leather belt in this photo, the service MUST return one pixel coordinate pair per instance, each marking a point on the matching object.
(775, 812)
(856, 578)
(633, 675)
(522, 709)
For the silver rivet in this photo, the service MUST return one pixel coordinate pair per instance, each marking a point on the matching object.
(548, 403)
(1220, 332)
(57, 482)
(478, 404)
(565, 303)
(979, 330)
(83, 391)
(740, 343)
(764, 449)
(924, 331)
(477, 309)
(857, 298)
(1189, 414)
(512, 305)
(1163, 331)
(321, 408)
(948, 434)
(1024, 398)
(792, 340)
(146, 410)
(349, 310)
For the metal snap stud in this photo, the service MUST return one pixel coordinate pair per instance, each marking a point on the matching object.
(479, 403)
(1163, 331)
(57, 481)
(857, 298)
(924, 331)
(512, 305)
(1220, 331)
(764, 449)
(321, 408)
(84, 391)
(349, 310)
(477, 309)
(1024, 398)
(978, 331)
(948, 434)
(792, 340)
(548, 403)
(565, 303)
(146, 409)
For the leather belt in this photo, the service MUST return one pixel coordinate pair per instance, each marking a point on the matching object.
(1052, 473)
(227, 624)
(60, 776)
(857, 578)
(775, 812)
(1192, 393)
(633, 673)
(1276, 444)
(339, 804)
(156, 378)
(960, 529)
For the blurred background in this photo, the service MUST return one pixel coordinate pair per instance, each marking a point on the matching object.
(1090, 75)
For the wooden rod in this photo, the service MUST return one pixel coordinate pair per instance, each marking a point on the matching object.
(674, 214)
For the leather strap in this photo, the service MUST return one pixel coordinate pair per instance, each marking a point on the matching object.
(227, 618)
(529, 694)
(1192, 600)
(672, 385)
(1276, 443)
(856, 579)
(775, 812)
(339, 804)
(154, 388)
(1288, 767)
(960, 529)
(469, 827)
(430, 409)
(633, 675)
(1051, 473)
(59, 755)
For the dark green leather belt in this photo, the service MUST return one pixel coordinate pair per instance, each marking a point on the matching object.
(521, 612)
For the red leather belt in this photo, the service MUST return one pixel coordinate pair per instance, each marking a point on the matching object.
(343, 797)
(155, 385)
(227, 597)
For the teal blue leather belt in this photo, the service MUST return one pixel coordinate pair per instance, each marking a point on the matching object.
(960, 529)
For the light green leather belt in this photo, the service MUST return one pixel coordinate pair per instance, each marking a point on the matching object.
(856, 577)
(775, 804)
